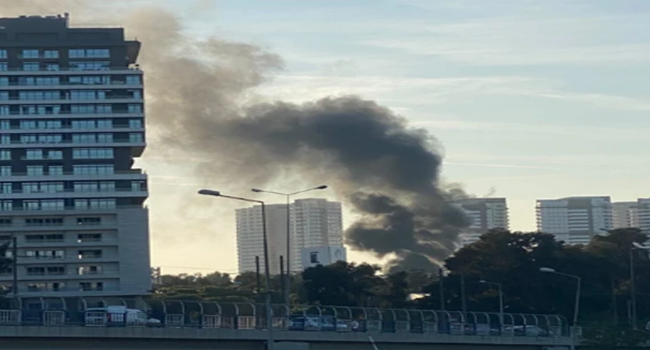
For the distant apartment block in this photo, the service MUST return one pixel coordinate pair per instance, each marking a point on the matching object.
(485, 214)
(71, 125)
(314, 223)
(575, 220)
(625, 214)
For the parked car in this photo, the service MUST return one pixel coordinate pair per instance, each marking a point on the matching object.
(530, 331)
(316, 323)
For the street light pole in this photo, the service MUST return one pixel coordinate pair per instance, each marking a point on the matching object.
(577, 299)
(287, 296)
(267, 272)
(500, 289)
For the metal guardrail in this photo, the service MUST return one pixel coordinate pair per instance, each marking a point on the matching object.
(219, 318)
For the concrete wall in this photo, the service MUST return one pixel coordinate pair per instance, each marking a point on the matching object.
(230, 339)
(133, 246)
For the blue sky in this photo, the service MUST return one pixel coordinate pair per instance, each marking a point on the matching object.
(534, 98)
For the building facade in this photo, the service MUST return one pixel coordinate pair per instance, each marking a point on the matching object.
(71, 125)
(314, 256)
(314, 223)
(250, 241)
(575, 219)
(485, 214)
(625, 214)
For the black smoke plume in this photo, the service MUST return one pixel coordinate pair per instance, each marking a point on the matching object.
(202, 103)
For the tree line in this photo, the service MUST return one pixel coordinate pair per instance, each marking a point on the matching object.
(510, 259)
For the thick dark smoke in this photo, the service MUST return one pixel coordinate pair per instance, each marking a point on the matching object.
(202, 103)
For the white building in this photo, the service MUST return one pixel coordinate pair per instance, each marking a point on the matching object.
(643, 212)
(575, 220)
(485, 214)
(315, 256)
(314, 223)
(71, 125)
(625, 214)
(250, 243)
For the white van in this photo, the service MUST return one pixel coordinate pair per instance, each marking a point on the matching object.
(118, 315)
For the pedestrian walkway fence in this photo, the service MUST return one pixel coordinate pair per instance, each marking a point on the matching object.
(244, 316)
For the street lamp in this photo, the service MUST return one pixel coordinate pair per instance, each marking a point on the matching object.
(635, 245)
(267, 272)
(288, 197)
(500, 288)
(577, 301)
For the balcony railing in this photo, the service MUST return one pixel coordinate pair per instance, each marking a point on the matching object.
(72, 69)
(77, 190)
(70, 173)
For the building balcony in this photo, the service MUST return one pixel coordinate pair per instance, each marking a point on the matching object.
(133, 174)
(67, 211)
(67, 243)
(70, 86)
(68, 115)
(71, 71)
(137, 147)
(108, 100)
(70, 130)
(71, 193)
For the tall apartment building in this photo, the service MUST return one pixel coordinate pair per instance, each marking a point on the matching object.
(643, 212)
(314, 223)
(625, 214)
(485, 214)
(250, 243)
(71, 125)
(574, 220)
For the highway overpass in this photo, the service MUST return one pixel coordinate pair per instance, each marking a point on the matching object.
(147, 338)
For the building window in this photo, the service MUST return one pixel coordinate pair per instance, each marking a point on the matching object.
(44, 204)
(137, 186)
(103, 203)
(54, 155)
(50, 124)
(30, 54)
(6, 188)
(45, 254)
(55, 170)
(89, 237)
(44, 222)
(92, 153)
(52, 238)
(5, 154)
(5, 139)
(40, 109)
(90, 254)
(104, 138)
(4, 110)
(91, 286)
(3, 53)
(133, 80)
(135, 123)
(51, 54)
(34, 154)
(93, 169)
(89, 270)
(39, 95)
(6, 205)
(84, 138)
(35, 170)
(135, 108)
(89, 221)
(5, 125)
(31, 66)
(5, 170)
(5, 222)
(313, 258)
(4, 66)
(90, 65)
(89, 53)
(136, 137)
